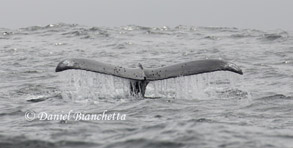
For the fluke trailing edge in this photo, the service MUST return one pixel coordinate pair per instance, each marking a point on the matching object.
(140, 77)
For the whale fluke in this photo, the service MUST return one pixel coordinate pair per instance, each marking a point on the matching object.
(99, 67)
(140, 77)
(190, 68)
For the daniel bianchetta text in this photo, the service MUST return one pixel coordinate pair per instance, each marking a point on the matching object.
(71, 115)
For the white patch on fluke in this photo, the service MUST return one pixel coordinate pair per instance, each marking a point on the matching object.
(68, 63)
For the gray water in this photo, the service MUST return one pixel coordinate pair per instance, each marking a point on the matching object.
(219, 109)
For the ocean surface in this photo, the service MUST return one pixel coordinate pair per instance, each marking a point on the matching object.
(219, 109)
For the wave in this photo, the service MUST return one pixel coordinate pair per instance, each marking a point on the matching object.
(143, 142)
(247, 33)
(275, 36)
(276, 98)
(48, 27)
(273, 103)
(87, 33)
(221, 29)
(24, 142)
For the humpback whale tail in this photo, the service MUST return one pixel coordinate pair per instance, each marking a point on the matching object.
(139, 78)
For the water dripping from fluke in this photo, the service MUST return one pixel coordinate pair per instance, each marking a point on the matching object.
(81, 85)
